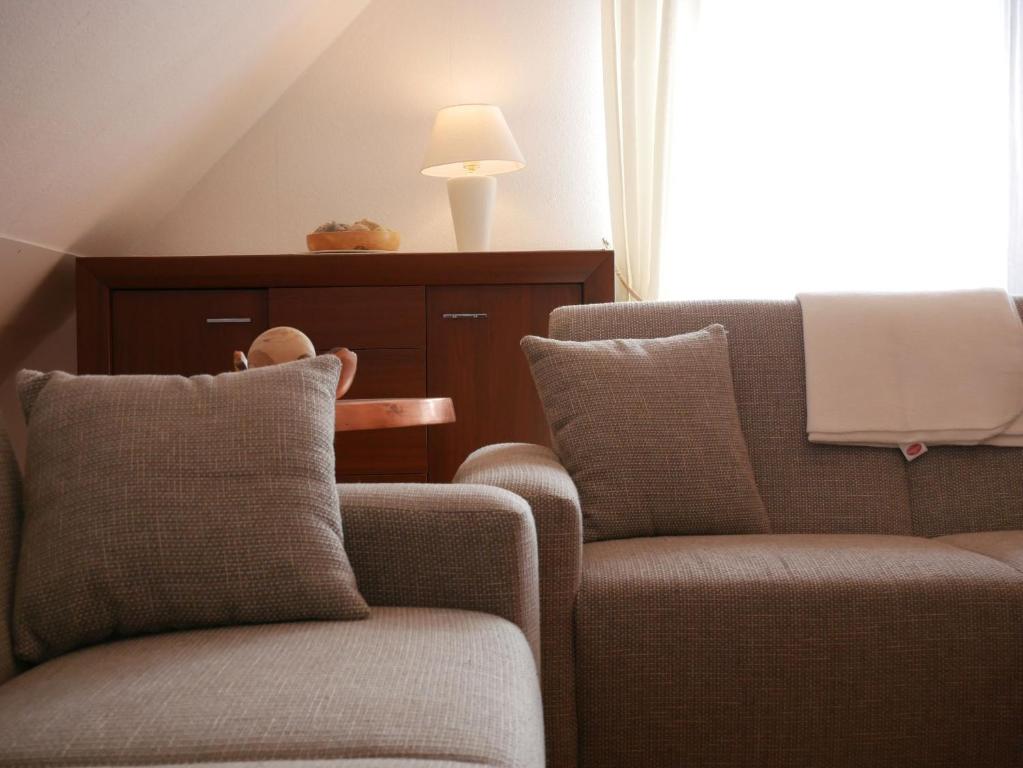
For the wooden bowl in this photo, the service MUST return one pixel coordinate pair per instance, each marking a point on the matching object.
(349, 365)
(354, 240)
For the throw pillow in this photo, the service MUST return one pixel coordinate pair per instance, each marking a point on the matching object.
(649, 431)
(159, 502)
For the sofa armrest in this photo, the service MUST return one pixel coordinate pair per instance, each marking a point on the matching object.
(444, 546)
(534, 473)
(10, 521)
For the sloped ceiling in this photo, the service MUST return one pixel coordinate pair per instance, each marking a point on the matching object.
(111, 110)
(347, 139)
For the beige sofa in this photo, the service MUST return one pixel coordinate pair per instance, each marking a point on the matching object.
(880, 624)
(442, 674)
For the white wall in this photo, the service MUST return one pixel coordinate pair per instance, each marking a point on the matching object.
(347, 139)
(110, 111)
(37, 320)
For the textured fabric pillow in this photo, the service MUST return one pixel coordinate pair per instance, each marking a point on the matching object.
(649, 431)
(159, 502)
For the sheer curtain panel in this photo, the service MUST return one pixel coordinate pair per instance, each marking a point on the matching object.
(639, 38)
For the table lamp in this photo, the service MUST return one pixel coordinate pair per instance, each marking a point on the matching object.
(469, 145)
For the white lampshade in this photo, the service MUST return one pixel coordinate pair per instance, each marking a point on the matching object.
(471, 139)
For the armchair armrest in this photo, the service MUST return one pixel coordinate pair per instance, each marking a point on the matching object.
(444, 546)
(534, 473)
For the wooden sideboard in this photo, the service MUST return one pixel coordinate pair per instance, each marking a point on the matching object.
(423, 324)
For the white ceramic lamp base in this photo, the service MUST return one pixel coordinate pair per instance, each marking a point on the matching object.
(472, 210)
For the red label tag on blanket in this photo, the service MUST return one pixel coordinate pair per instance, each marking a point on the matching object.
(913, 450)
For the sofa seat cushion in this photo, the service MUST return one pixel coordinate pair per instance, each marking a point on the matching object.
(407, 683)
(798, 650)
(1006, 546)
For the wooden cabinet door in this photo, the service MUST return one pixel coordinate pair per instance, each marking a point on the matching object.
(473, 356)
(184, 332)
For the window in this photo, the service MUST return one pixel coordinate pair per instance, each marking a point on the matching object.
(836, 145)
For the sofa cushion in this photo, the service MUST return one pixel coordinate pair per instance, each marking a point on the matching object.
(1006, 546)
(806, 488)
(837, 650)
(649, 431)
(160, 502)
(407, 683)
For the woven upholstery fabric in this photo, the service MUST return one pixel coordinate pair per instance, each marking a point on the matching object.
(160, 502)
(445, 546)
(959, 489)
(806, 488)
(407, 683)
(1006, 546)
(649, 432)
(534, 473)
(792, 651)
(10, 523)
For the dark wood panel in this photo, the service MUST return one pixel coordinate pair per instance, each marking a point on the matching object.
(353, 317)
(599, 285)
(131, 318)
(381, 451)
(477, 362)
(420, 478)
(92, 299)
(169, 331)
(356, 269)
(390, 373)
(385, 373)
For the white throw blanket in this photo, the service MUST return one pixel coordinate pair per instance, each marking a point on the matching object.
(897, 369)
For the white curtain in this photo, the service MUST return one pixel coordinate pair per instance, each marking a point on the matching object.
(1014, 46)
(639, 37)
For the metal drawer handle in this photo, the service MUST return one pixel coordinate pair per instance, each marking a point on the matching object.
(464, 315)
(222, 320)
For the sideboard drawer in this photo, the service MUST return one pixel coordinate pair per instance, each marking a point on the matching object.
(389, 373)
(381, 452)
(357, 318)
(385, 373)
